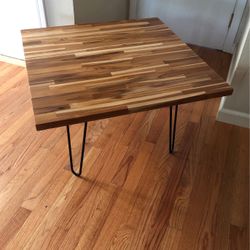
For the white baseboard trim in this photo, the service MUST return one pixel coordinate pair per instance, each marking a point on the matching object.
(11, 60)
(234, 117)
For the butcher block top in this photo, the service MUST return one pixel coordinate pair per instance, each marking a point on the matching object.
(86, 72)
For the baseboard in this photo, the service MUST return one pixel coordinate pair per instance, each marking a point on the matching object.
(234, 117)
(12, 60)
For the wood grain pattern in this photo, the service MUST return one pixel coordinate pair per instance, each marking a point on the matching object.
(133, 195)
(87, 72)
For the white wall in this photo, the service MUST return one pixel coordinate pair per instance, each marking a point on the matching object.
(59, 12)
(235, 109)
(66, 12)
(14, 16)
(200, 22)
(87, 11)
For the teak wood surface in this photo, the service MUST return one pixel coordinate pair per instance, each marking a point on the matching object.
(87, 72)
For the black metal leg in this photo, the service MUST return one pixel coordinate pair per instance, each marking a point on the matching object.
(82, 153)
(172, 134)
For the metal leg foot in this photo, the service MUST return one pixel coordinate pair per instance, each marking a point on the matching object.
(172, 134)
(82, 153)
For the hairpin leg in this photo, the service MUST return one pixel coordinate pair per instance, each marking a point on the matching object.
(172, 134)
(82, 153)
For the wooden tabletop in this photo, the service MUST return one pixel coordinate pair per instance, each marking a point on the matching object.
(87, 72)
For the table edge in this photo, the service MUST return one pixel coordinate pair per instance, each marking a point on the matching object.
(71, 121)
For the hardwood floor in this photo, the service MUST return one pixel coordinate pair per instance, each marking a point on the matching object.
(134, 195)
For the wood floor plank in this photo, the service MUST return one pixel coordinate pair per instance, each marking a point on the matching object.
(16, 222)
(239, 238)
(43, 240)
(170, 239)
(15, 127)
(12, 195)
(240, 211)
(203, 203)
(114, 162)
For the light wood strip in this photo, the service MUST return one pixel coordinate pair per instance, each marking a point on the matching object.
(84, 28)
(157, 48)
(125, 72)
(98, 32)
(108, 61)
(108, 51)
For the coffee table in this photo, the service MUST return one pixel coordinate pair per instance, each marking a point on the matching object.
(82, 73)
